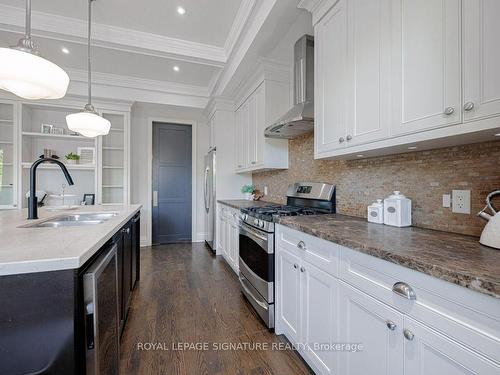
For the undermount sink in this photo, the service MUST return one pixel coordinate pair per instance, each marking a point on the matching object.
(73, 220)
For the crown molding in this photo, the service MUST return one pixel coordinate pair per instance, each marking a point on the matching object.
(218, 104)
(240, 20)
(113, 37)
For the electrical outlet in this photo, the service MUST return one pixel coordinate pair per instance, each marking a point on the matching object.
(461, 201)
(265, 190)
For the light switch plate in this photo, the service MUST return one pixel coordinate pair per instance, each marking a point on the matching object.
(461, 201)
(447, 200)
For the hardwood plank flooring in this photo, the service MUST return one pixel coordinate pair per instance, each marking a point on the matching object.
(187, 295)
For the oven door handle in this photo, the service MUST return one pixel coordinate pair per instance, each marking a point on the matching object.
(244, 229)
(249, 292)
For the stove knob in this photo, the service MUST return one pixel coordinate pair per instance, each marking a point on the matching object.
(262, 223)
(256, 221)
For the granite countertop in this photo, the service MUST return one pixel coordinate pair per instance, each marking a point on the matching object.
(452, 257)
(242, 203)
(26, 250)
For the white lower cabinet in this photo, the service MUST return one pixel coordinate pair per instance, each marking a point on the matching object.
(375, 326)
(339, 329)
(228, 235)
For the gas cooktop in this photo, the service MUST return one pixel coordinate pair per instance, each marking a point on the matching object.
(271, 212)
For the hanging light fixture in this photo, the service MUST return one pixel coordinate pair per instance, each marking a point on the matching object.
(24, 73)
(88, 122)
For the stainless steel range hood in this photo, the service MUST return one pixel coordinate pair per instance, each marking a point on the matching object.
(300, 119)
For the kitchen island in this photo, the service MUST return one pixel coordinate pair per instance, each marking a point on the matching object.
(65, 290)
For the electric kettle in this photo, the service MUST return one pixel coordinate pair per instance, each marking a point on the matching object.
(491, 232)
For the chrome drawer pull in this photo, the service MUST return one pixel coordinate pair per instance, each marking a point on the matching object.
(301, 245)
(404, 290)
(295, 266)
(391, 325)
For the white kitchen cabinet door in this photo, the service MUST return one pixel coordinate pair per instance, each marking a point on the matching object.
(222, 234)
(319, 317)
(369, 63)
(241, 140)
(365, 321)
(331, 81)
(288, 295)
(429, 352)
(481, 56)
(426, 65)
(252, 131)
(261, 124)
(233, 239)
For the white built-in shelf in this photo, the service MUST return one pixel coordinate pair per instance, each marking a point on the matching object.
(110, 167)
(6, 142)
(6, 121)
(112, 186)
(58, 136)
(112, 148)
(83, 167)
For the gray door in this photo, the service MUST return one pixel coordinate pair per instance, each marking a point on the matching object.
(171, 183)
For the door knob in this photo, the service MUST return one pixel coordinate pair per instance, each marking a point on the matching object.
(341, 140)
(295, 266)
(349, 137)
(408, 334)
(449, 111)
(302, 269)
(391, 325)
(468, 106)
(301, 245)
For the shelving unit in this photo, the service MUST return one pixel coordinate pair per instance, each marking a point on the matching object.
(8, 174)
(90, 167)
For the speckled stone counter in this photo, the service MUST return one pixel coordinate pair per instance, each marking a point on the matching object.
(242, 203)
(451, 257)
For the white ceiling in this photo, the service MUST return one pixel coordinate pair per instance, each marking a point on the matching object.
(105, 60)
(205, 21)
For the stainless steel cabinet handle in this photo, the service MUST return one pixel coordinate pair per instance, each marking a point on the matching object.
(408, 334)
(404, 290)
(349, 137)
(301, 245)
(240, 166)
(469, 106)
(302, 269)
(155, 198)
(254, 162)
(449, 111)
(341, 140)
(391, 325)
(295, 266)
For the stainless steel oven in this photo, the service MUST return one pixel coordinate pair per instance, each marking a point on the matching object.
(256, 265)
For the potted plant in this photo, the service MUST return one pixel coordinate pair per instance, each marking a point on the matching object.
(72, 158)
(248, 190)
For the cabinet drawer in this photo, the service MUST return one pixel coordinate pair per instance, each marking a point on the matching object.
(471, 318)
(320, 253)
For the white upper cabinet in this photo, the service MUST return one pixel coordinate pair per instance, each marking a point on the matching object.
(8, 154)
(352, 75)
(394, 73)
(481, 36)
(262, 106)
(426, 65)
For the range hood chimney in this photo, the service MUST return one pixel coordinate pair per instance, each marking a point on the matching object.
(300, 119)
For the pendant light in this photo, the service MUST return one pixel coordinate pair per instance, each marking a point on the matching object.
(24, 73)
(88, 122)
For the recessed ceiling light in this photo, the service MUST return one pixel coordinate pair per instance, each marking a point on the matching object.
(181, 11)
(176, 68)
(65, 50)
(497, 135)
(412, 148)
(360, 155)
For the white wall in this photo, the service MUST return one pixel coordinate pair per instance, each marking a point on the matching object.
(141, 112)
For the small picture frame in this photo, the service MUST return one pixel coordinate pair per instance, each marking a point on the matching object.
(57, 131)
(89, 199)
(87, 155)
(46, 129)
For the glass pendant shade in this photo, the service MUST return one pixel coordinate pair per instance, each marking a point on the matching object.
(88, 123)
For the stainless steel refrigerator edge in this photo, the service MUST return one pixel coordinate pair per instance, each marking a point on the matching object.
(209, 196)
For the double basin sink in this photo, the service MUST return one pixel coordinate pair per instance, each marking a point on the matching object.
(73, 220)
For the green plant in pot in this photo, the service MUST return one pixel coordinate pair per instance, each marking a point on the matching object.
(248, 190)
(72, 158)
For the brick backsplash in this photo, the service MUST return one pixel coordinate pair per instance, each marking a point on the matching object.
(423, 176)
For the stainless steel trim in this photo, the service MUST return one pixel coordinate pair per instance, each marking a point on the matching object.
(265, 288)
(263, 239)
(404, 290)
(408, 334)
(319, 190)
(264, 309)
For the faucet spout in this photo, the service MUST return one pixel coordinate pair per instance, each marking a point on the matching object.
(33, 200)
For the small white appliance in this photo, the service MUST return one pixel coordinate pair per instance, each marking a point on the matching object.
(376, 212)
(397, 210)
(491, 232)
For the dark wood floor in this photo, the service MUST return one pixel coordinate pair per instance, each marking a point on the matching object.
(187, 295)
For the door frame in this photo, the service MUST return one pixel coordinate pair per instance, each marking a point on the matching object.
(149, 219)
